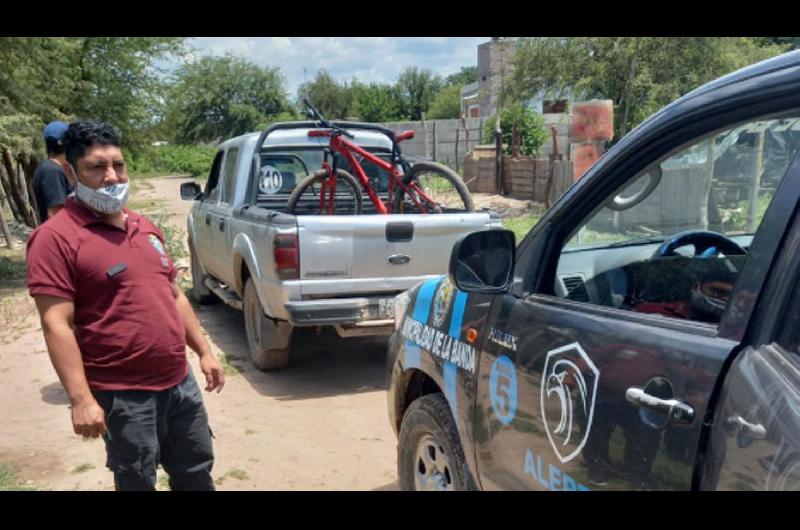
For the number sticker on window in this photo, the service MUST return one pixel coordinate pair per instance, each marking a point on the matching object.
(271, 180)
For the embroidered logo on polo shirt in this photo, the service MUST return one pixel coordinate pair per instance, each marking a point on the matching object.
(159, 248)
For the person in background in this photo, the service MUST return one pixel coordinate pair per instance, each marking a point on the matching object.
(50, 183)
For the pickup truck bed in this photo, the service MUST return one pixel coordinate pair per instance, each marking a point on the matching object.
(304, 269)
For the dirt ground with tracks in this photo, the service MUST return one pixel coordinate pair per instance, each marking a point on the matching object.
(319, 424)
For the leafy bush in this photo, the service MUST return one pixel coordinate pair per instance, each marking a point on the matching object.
(521, 225)
(532, 126)
(9, 480)
(734, 217)
(12, 265)
(194, 160)
(174, 236)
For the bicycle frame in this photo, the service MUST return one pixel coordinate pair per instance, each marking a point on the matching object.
(346, 148)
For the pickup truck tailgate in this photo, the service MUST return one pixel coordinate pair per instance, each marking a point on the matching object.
(339, 251)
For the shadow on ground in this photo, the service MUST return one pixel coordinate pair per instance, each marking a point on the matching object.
(319, 366)
(54, 394)
(394, 486)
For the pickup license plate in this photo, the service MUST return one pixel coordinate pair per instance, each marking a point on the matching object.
(385, 308)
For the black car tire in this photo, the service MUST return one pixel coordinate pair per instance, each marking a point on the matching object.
(257, 331)
(427, 420)
(308, 184)
(200, 292)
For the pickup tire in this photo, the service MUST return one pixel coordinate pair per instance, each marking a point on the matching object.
(310, 184)
(429, 453)
(200, 292)
(263, 332)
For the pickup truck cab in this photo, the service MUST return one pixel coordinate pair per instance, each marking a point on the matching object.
(643, 335)
(289, 270)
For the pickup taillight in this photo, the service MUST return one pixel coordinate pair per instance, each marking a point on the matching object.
(287, 256)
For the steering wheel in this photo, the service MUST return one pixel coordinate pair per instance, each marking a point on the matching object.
(706, 243)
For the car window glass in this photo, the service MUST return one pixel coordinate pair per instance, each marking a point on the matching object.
(378, 177)
(674, 238)
(282, 169)
(212, 188)
(229, 174)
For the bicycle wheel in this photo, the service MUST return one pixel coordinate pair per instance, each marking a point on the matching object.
(432, 188)
(306, 197)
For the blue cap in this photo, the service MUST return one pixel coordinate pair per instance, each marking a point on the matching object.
(54, 132)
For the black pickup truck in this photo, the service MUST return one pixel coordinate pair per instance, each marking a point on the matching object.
(643, 335)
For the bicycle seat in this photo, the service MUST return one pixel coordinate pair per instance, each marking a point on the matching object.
(405, 135)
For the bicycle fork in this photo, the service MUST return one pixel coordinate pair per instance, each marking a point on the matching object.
(328, 185)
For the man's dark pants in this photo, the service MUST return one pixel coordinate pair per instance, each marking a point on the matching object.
(169, 427)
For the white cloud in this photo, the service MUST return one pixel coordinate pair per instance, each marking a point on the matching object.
(368, 59)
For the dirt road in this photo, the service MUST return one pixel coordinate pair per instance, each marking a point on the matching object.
(319, 424)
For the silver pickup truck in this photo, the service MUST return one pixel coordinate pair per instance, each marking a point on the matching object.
(286, 270)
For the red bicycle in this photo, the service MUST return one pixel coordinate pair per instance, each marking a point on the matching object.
(424, 187)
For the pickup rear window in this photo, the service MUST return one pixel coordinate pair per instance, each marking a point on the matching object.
(283, 169)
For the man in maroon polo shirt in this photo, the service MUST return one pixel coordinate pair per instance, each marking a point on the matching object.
(117, 325)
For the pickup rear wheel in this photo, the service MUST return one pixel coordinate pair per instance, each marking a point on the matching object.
(432, 188)
(200, 292)
(429, 453)
(262, 332)
(307, 196)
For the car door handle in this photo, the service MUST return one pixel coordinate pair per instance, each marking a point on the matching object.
(736, 425)
(221, 224)
(208, 218)
(677, 411)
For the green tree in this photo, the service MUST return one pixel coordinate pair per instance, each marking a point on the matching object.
(530, 124)
(417, 88)
(465, 76)
(288, 115)
(118, 83)
(640, 74)
(36, 82)
(331, 98)
(447, 103)
(221, 97)
(376, 102)
(43, 79)
(792, 42)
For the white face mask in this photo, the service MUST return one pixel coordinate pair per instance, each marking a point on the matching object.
(108, 200)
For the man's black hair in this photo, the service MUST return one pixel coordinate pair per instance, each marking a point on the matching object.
(53, 148)
(81, 135)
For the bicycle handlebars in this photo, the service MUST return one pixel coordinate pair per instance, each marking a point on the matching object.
(325, 123)
(338, 125)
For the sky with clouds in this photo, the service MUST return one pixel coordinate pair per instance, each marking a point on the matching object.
(368, 59)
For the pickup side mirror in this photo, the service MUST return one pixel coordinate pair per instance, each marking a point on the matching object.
(190, 191)
(483, 262)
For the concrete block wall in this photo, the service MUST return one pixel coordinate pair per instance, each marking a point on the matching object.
(562, 124)
(436, 140)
